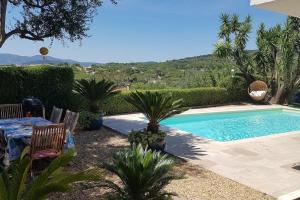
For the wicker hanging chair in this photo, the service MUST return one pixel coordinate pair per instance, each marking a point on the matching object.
(258, 90)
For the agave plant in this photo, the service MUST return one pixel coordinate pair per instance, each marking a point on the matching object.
(155, 106)
(143, 173)
(13, 184)
(94, 92)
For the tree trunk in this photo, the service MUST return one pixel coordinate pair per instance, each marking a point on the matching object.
(153, 127)
(283, 95)
(3, 8)
(274, 82)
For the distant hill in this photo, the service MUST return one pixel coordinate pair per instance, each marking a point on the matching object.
(197, 71)
(10, 59)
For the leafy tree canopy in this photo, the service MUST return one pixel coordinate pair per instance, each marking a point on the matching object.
(41, 19)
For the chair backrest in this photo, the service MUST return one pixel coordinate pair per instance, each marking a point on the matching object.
(8, 111)
(56, 115)
(47, 137)
(70, 120)
(3, 143)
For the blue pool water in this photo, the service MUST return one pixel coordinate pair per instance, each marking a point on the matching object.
(236, 125)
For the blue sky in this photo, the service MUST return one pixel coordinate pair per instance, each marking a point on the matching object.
(150, 30)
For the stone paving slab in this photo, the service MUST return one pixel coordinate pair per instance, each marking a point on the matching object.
(263, 163)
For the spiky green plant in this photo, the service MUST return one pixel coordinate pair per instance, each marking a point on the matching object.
(266, 57)
(234, 35)
(95, 92)
(143, 173)
(155, 106)
(14, 184)
(290, 60)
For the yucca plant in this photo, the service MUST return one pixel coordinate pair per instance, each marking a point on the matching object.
(15, 185)
(155, 106)
(234, 35)
(95, 92)
(143, 173)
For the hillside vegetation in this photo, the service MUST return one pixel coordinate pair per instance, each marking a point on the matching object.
(201, 71)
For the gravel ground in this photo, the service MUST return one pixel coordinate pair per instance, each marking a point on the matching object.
(97, 147)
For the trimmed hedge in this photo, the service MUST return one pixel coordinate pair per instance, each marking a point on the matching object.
(53, 85)
(192, 98)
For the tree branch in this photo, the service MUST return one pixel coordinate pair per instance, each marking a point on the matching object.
(49, 18)
(25, 34)
(31, 3)
(14, 2)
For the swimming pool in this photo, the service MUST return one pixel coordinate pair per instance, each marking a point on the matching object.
(228, 126)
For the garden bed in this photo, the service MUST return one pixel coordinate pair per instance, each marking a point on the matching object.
(98, 146)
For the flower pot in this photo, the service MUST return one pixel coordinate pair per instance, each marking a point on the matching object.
(96, 124)
(159, 145)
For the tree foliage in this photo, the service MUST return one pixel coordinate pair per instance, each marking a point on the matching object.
(201, 71)
(40, 19)
(233, 38)
(277, 59)
(268, 44)
(289, 60)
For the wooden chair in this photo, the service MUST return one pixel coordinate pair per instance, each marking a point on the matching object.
(47, 142)
(56, 115)
(3, 144)
(70, 120)
(8, 111)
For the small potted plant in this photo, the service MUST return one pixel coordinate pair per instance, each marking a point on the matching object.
(156, 107)
(89, 120)
(94, 93)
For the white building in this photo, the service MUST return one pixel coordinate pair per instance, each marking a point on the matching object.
(287, 7)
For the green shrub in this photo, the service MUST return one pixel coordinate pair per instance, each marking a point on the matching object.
(191, 98)
(53, 85)
(86, 118)
(237, 88)
(145, 138)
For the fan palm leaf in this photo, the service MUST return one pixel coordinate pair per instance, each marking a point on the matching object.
(94, 92)
(143, 173)
(155, 106)
(13, 185)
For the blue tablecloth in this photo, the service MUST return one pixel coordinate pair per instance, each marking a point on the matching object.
(18, 130)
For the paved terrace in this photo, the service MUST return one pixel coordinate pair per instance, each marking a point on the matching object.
(263, 163)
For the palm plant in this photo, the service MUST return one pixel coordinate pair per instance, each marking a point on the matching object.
(290, 60)
(13, 185)
(268, 43)
(155, 106)
(143, 173)
(234, 35)
(95, 92)
(279, 57)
